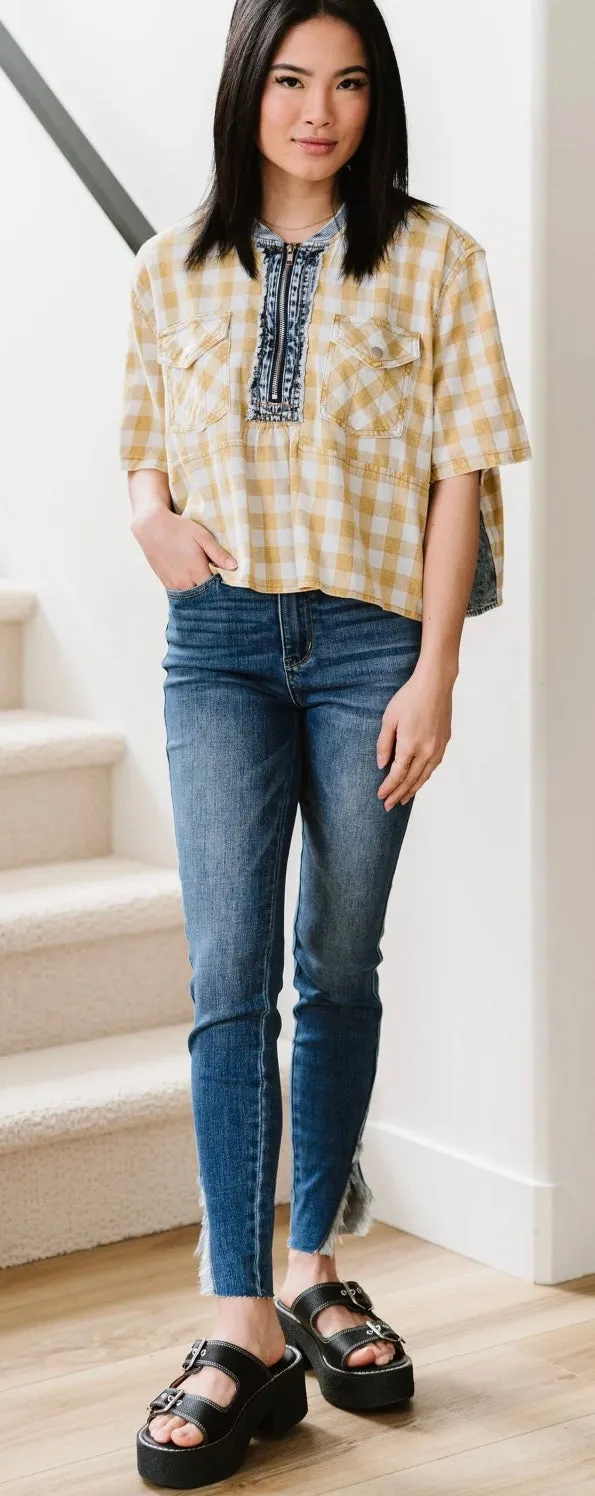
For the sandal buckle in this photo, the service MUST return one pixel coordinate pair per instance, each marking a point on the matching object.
(361, 1298)
(195, 1351)
(172, 1397)
(384, 1331)
(377, 1326)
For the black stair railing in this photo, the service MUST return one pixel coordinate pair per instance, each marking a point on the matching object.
(70, 140)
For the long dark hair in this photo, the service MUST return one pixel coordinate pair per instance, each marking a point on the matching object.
(373, 184)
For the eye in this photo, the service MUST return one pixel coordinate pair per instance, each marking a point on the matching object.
(353, 83)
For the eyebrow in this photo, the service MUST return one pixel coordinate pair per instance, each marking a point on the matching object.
(340, 72)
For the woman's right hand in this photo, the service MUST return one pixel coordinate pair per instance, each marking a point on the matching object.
(178, 549)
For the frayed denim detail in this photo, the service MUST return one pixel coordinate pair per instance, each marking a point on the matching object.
(203, 1247)
(354, 1215)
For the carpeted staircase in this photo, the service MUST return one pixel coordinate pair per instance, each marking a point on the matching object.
(96, 1136)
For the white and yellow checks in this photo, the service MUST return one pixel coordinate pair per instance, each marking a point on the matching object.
(365, 395)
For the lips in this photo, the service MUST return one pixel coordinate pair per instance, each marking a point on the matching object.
(317, 147)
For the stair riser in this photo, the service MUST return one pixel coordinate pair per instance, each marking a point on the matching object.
(60, 994)
(54, 814)
(93, 1190)
(11, 665)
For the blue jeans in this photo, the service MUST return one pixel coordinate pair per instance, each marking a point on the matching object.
(273, 701)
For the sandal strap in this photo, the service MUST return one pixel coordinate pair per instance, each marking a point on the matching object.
(346, 1341)
(347, 1293)
(247, 1371)
(211, 1418)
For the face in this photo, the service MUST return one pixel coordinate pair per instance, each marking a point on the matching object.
(318, 88)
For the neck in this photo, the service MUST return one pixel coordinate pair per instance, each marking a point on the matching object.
(289, 203)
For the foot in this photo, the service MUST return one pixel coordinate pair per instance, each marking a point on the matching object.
(251, 1323)
(307, 1268)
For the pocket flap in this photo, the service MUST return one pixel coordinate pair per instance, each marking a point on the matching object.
(183, 344)
(378, 342)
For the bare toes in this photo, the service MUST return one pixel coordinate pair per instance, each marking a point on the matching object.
(161, 1427)
(157, 1426)
(189, 1434)
(362, 1356)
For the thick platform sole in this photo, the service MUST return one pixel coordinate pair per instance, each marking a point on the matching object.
(273, 1410)
(354, 1388)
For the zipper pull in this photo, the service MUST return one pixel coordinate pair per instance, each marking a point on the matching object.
(291, 248)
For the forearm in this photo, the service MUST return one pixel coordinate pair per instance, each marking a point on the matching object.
(450, 557)
(149, 495)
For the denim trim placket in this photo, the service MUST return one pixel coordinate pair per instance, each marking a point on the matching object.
(303, 280)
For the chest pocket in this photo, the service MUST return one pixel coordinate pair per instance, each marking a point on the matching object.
(367, 376)
(195, 360)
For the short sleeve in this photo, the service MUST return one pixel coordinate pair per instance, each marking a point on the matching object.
(142, 424)
(477, 423)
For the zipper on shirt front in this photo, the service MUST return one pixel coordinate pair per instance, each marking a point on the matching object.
(276, 384)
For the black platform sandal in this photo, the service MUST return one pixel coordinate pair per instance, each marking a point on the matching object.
(352, 1387)
(269, 1398)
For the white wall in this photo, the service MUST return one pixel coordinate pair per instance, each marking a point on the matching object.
(564, 671)
(459, 1146)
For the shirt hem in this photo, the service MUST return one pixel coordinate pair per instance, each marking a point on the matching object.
(363, 597)
(484, 460)
(146, 462)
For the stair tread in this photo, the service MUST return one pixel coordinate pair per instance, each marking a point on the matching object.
(97, 1085)
(17, 601)
(89, 896)
(30, 738)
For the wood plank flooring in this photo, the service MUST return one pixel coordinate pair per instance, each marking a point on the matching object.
(505, 1376)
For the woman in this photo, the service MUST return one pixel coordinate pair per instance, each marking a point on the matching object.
(316, 405)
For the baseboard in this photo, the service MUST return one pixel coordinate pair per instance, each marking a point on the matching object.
(542, 1232)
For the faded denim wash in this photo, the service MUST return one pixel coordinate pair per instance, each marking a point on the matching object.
(273, 702)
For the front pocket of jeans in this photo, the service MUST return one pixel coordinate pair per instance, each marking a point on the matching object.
(368, 375)
(193, 591)
(194, 357)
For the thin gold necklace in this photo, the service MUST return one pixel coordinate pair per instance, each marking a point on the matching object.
(296, 226)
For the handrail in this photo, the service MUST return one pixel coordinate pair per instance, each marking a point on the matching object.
(78, 151)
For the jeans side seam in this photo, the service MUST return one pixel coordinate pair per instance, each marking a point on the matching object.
(367, 1201)
(282, 824)
(294, 1153)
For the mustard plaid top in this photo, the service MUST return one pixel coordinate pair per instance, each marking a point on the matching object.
(302, 418)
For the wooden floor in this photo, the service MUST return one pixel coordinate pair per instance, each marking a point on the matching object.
(505, 1376)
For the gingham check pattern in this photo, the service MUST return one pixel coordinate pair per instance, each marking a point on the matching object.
(404, 381)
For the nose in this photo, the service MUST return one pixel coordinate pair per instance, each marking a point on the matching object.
(319, 116)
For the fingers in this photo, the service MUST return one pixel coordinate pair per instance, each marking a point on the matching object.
(400, 769)
(409, 789)
(216, 552)
(385, 743)
(405, 770)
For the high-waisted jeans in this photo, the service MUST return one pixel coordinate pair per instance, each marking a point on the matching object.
(273, 701)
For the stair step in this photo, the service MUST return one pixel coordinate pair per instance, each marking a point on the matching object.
(18, 603)
(95, 1086)
(90, 948)
(97, 1142)
(53, 903)
(55, 786)
(31, 740)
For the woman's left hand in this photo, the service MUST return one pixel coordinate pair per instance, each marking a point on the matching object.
(420, 717)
